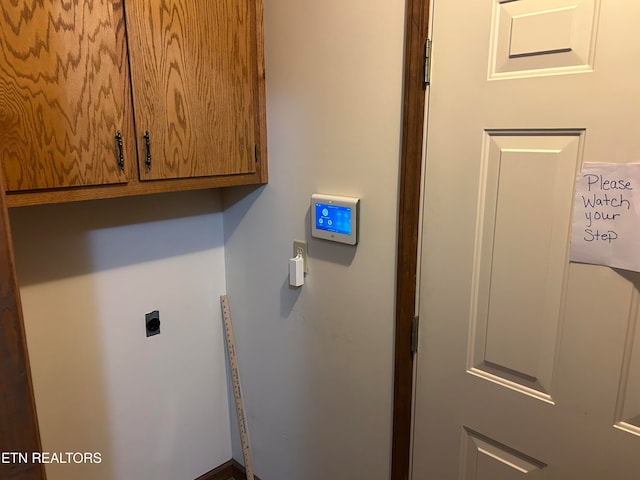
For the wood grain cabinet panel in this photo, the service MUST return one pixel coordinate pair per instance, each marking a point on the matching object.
(181, 80)
(61, 93)
(193, 84)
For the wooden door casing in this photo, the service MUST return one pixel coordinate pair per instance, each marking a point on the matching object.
(18, 420)
(413, 107)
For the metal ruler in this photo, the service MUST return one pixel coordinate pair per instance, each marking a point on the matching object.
(235, 383)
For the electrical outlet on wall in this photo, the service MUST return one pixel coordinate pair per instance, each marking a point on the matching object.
(300, 248)
(152, 322)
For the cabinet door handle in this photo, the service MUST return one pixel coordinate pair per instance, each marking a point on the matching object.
(120, 150)
(147, 143)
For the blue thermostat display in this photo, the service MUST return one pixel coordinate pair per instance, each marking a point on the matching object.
(335, 218)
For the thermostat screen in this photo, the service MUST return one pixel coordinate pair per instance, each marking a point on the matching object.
(333, 218)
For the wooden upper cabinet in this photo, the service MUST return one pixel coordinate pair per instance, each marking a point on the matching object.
(193, 72)
(62, 94)
(74, 73)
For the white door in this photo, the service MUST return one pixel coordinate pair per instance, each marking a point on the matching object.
(528, 365)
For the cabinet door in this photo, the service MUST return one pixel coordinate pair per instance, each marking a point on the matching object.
(62, 93)
(194, 80)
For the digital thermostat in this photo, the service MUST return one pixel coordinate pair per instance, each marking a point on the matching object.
(335, 218)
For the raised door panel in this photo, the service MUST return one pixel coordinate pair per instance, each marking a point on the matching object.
(485, 459)
(194, 77)
(520, 268)
(62, 93)
(520, 50)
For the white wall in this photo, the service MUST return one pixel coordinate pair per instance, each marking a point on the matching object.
(316, 363)
(153, 407)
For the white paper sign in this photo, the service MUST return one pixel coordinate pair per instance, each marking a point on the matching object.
(606, 216)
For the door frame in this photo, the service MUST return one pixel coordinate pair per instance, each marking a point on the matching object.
(19, 430)
(413, 112)
(24, 428)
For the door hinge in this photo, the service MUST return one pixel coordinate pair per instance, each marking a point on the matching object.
(415, 325)
(427, 63)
